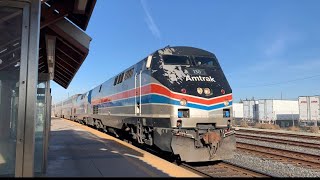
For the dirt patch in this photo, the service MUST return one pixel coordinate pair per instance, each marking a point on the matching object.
(293, 128)
(314, 129)
(267, 126)
(244, 124)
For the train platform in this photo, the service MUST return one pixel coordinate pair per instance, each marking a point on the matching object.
(76, 150)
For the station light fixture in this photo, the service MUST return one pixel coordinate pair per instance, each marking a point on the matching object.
(80, 6)
(51, 54)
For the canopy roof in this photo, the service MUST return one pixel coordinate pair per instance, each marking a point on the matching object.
(63, 43)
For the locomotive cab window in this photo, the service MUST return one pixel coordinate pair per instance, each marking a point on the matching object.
(175, 60)
(205, 61)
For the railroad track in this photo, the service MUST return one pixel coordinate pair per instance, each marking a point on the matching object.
(280, 141)
(299, 136)
(280, 155)
(302, 159)
(223, 169)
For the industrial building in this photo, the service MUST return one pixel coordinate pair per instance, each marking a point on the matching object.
(271, 111)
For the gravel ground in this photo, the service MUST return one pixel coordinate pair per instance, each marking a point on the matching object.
(276, 169)
(281, 146)
(281, 137)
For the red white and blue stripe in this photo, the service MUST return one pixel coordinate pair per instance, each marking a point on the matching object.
(158, 94)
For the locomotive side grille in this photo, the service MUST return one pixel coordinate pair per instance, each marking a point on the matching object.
(95, 109)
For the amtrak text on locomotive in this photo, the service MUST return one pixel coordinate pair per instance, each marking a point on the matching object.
(200, 78)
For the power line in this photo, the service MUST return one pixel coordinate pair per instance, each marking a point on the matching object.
(283, 82)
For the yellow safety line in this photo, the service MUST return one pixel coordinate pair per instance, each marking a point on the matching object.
(161, 164)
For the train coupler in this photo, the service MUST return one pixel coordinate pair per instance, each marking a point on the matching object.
(212, 141)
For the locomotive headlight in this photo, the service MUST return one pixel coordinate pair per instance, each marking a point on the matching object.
(199, 90)
(183, 102)
(226, 103)
(207, 91)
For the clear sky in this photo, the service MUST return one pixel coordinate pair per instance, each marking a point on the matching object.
(266, 48)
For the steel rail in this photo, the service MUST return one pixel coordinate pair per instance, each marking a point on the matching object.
(302, 136)
(280, 141)
(223, 169)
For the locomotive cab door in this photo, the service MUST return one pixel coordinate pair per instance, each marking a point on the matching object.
(138, 93)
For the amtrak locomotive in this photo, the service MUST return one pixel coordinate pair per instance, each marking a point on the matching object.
(177, 99)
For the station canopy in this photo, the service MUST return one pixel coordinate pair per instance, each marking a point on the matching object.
(64, 45)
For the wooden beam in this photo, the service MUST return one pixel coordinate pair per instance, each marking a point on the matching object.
(54, 12)
(64, 68)
(64, 63)
(8, 17)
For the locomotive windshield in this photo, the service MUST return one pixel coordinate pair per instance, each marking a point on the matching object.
(187, 60)
(176, 60)
(205, 62)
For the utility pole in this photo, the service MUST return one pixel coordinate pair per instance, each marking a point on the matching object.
(292, 119)
(274, 114)
(234, 115)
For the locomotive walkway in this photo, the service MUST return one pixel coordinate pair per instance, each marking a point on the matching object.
(76, 150)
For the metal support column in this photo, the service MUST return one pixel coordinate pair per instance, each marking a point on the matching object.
(28, 90)
(33, 55)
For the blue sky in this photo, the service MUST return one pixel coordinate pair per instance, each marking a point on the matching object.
(266, 48)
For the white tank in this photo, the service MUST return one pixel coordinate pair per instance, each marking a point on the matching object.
(237, 110)
(274, 110)
(250, 109)
(309, 108)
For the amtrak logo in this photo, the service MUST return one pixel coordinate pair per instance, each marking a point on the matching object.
(200, 78)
